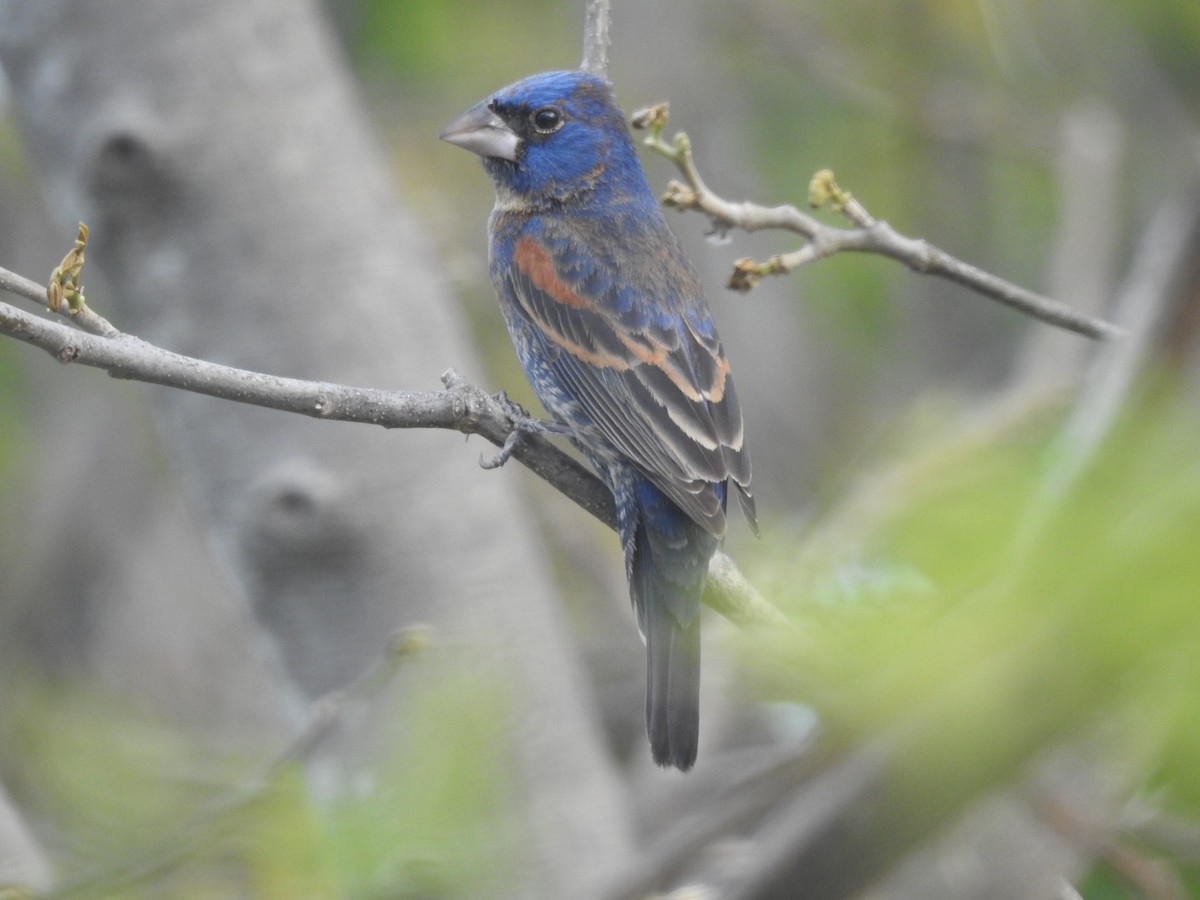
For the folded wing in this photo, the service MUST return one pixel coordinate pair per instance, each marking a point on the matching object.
(639, 353)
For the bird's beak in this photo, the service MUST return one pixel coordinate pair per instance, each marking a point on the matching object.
(482, 131)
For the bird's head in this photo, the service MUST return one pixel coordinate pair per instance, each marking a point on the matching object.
(551, 137)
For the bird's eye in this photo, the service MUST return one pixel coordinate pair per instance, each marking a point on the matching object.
(547, 120)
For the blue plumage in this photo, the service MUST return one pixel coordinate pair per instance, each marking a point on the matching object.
(610, 325)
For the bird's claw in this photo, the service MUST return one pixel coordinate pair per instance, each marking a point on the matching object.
(522, 424)
(515, 410)
(506, 451)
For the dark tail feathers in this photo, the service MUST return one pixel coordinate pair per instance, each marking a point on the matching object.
(666, 576)
(667, 561)
(672, 686)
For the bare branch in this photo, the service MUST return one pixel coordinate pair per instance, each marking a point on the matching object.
(595, 37)
(729, 593)
(460, 407)
(22, 287)
(868, 235)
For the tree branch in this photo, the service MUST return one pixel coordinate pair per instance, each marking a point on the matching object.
(595, 37)
(460, 407)
(868, 235)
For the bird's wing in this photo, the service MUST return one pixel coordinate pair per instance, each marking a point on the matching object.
(638, 351)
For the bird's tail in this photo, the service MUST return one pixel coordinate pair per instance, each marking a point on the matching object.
(672, 688)
(667, 568)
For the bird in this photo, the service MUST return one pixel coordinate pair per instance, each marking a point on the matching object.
(609, 322)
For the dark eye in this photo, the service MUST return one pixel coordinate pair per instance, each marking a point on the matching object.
(547, 119)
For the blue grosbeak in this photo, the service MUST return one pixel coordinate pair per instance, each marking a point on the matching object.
(611, 328)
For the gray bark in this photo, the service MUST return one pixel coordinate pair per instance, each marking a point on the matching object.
(242, 212)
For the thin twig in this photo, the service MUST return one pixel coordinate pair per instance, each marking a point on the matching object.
(595, 38)
(868, 235)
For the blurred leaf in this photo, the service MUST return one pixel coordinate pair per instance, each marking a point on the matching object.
(434, 825)
(995, 619)
(424, 41)
(144, 810)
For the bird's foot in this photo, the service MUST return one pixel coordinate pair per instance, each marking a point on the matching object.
(522, 424)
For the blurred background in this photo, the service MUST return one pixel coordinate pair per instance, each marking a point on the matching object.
(985, 532)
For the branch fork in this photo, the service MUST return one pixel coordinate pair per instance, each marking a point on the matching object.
(866, 235)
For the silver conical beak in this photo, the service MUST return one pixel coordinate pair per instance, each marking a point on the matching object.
(482, 131)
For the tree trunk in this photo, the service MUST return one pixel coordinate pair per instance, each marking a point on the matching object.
(242, 212)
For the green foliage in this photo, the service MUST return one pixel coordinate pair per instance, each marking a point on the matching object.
(435, 827)
(144, 810)
(427, 41)
(981, 615)
(113, 783)
(1171, 30)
